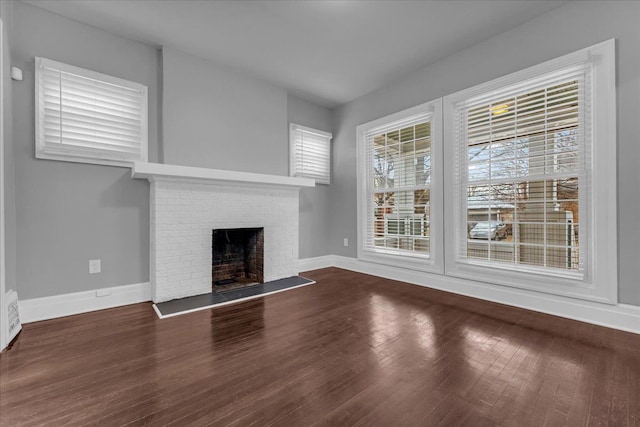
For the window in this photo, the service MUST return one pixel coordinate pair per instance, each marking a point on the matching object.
(399, 199)
(84, 116)
(532, 177)
(523, 160)
(310, 153)
(525, 177)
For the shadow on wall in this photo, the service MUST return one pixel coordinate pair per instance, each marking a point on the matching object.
(126, 192)
(306, 201)
(127, 196)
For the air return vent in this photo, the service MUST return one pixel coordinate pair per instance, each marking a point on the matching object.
(13, 315)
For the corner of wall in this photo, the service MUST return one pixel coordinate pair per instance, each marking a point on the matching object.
(159, 156)
(315, 203)
(6, 13)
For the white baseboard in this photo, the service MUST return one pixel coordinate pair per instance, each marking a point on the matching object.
(308, 264)
(619, 316)
(36, 309)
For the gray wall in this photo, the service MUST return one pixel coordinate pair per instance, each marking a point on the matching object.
(68, 213)
(6, 13)
(566, 29)
(314, 202)
(200, 114)
(216, 118)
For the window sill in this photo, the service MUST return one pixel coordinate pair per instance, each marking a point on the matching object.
(81, 159)
(576, 285)
(424, 263)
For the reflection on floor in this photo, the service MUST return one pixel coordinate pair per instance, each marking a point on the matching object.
(353, 350)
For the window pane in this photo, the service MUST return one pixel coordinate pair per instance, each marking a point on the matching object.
(402, 167)
(405, 169)
(523, 158)
(407, 134)
(423, 130)
(382, 168)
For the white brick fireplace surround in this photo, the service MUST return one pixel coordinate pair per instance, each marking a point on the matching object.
(188, 203)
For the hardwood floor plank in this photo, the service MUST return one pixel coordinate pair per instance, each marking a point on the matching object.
(352, 349)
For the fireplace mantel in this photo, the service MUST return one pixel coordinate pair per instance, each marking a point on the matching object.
(186, 204)
(159, 171)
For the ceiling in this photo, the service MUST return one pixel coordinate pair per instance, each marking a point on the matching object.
(329, 52)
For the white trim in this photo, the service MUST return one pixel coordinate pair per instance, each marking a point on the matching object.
(220, 304)
(155, 171)
(87, 160)
(316, 263)
(435, 261)
(293, 126)
(4, 321)
(36, 309)
(619, 316)
(624, 317)
(600, 283)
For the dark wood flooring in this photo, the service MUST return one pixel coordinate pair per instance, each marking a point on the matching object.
(350, 350)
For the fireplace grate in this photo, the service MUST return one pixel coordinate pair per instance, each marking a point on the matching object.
(225, 282)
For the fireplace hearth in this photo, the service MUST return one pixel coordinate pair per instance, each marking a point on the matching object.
(187, 203)
(237, 258)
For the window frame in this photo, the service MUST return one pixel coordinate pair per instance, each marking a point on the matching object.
(293, 128)
(599, 282)
(434, 262)
(73, 154)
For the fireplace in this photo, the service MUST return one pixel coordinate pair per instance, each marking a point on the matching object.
(187, 203)
(237, 258)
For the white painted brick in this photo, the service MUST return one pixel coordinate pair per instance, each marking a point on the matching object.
(183, 215)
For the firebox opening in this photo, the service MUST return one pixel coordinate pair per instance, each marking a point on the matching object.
(237, 258)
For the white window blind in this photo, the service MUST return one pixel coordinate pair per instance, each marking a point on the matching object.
(522, 157)
(85, 116)
(310, 154)
(398, 169)
(530, 178)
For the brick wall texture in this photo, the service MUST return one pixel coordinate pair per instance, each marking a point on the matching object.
(183, 215)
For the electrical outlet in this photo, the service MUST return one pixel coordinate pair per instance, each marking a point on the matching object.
(94, 266)
(104, 292)
(346, 241)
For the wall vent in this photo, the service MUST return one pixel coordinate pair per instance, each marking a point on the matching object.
(13, 315)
